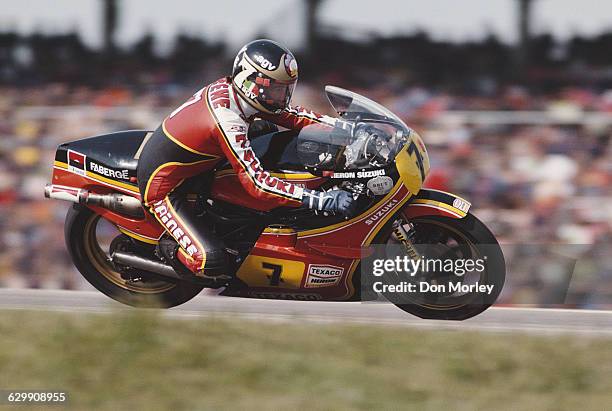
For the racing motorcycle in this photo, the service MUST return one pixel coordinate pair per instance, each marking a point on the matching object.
(279, 253)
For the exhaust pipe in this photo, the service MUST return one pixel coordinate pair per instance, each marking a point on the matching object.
(120, 203)
(166, 270)
(142, 263)
(117, 202)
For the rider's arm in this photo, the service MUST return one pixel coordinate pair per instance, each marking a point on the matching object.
(296, 118)
(232, 137)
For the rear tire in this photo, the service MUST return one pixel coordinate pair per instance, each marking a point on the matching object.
(93, 263)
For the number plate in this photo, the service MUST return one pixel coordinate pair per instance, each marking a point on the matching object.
(258, 271)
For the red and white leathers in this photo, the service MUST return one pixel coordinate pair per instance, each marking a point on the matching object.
(211, 126)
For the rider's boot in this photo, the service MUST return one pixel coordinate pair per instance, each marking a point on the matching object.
(167, 251)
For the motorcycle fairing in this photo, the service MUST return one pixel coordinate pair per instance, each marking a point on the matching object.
(106, 164)
(109, 159)
(68, 175)
(316, 248)
(146, 229)
(340, 244)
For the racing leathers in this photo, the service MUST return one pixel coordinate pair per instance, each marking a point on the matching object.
(207, 129)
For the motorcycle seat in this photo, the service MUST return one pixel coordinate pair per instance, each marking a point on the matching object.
(118, 150)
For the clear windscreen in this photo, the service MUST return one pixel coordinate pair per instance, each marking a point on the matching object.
(352, 106)
(366, 135)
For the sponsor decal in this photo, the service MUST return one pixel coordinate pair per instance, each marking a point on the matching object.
(264, 62)
(76, 162)
(384, 210)
(287, 296)
(461, 204)
(343, 175)
(380, 185)
(323, 275)
(262, 178)
(250, 89)
(65, 193)
(173, 227)
(109, 172)
(62, 189)
(219, 94)
(237, 129)
(359, 174)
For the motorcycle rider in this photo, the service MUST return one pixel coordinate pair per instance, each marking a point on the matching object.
(212, 126)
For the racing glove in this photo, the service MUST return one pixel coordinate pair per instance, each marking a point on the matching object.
(333, 202)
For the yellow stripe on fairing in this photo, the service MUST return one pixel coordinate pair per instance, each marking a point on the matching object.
(98, 177)
(292, 176)
(137, 237)
(353, 220)
(60, 164)
(112, 182)
(440, 205)
(284, 176)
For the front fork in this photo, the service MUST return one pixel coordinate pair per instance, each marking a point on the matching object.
(405, 238)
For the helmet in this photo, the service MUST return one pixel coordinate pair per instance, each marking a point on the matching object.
(264, 75)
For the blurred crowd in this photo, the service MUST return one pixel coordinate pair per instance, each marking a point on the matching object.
(536, 186)
(537, 165)
(546, 192)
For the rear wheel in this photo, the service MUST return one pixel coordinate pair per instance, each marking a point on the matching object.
(90, 238)
(449, 239)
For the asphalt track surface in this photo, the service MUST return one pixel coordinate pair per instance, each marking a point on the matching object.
(496, 319)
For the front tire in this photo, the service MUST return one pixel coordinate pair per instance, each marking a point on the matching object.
(470, 233)
(94, 264)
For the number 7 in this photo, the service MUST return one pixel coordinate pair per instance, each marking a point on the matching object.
(275, 278)
(412, 148)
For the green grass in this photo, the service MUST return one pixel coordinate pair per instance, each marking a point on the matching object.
(136, 360)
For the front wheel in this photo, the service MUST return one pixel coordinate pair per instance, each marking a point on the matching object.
(89, 239)
(451, 241)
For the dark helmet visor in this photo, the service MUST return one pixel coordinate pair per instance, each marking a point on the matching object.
(274, 94)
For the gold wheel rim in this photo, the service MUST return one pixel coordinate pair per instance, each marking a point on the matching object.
(472, 247)
(101, 263)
